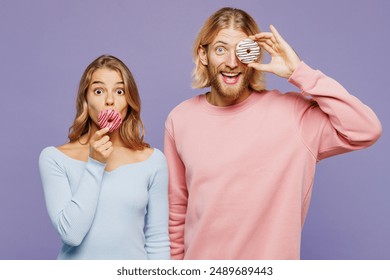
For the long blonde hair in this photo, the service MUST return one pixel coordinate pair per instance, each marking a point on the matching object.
(132, 128)
(223, 19)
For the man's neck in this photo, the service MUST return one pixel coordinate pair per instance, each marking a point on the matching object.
(222, 101)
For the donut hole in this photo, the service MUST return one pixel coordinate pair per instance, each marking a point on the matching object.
(248, 51)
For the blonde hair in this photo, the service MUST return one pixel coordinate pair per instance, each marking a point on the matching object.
(132, 128)
(223, 19)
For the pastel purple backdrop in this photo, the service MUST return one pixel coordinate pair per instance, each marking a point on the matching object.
(46, 45)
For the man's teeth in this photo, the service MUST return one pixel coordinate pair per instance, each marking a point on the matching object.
(230, 74)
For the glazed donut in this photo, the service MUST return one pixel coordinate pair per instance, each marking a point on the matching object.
(247, 51)
(110, 118)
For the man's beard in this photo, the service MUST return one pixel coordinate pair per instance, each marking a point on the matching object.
(232, 92)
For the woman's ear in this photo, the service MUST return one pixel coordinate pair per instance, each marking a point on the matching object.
(202, 52)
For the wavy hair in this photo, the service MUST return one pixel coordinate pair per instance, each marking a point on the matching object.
(132, 128)
(223, 19)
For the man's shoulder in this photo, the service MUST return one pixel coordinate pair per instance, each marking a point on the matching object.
(287, 98)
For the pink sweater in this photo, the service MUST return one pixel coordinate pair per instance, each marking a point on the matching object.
(241, 177)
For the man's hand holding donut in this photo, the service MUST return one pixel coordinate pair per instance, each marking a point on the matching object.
(284, 59)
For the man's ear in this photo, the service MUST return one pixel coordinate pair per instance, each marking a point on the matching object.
(202, 52)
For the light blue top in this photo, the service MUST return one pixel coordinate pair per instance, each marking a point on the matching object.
(122, 214)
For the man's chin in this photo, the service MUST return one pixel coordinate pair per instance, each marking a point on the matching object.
(233, 91)
(228, 91)
(230, 94)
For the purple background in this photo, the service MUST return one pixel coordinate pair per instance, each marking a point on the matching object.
(46, 45)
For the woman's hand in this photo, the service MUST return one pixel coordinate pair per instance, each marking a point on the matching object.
(284, 59)
(100, 146)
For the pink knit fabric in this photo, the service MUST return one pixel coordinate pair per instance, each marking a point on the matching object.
(241, 176)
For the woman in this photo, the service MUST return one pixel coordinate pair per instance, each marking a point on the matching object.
(106, 190)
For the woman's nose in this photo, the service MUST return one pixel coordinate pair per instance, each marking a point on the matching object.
(110, 99)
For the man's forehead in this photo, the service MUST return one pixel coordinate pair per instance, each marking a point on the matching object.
(229, 36)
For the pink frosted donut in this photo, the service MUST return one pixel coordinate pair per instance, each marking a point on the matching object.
(110, 118)
(247, 51)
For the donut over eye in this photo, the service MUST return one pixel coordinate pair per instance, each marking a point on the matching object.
(247, 51)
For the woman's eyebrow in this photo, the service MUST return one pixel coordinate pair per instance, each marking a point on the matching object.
(97, 82)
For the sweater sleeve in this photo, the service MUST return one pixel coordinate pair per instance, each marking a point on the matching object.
(178, 195)
(72, 214)
(156, 226)
(336, 122)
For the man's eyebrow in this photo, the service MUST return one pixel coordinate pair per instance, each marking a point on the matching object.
(220, 42)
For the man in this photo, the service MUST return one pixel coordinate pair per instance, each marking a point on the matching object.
(241, 158)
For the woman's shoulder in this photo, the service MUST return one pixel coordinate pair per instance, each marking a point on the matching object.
(156, 158)
(64, 152)
(48, 152)
(158, 154)
(74, 150)
(50, 157)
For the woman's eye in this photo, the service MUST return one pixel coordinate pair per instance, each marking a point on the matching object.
(98, 91)
(120, 91)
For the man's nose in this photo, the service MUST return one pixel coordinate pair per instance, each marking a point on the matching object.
(231, 60)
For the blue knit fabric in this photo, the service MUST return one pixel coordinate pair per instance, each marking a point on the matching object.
(121, 214)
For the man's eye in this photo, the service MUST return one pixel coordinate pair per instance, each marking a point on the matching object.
(120, 91)
(98, 91)
(220, 50)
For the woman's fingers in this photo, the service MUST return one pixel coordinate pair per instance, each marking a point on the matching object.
(100, 133)
(100, 146)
